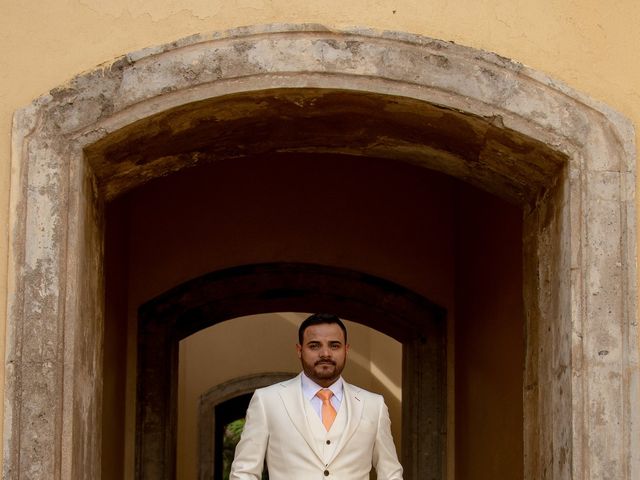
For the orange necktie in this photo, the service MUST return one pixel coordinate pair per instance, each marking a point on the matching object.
(328, 412)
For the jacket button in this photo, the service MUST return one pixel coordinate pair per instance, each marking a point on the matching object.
(328, 442)
(326, 473)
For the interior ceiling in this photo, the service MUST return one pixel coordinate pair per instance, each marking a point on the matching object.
(474, 149)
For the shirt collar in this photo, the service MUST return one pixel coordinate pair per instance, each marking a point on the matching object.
(310, 388)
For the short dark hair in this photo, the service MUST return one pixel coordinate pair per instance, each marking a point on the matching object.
(319, 319)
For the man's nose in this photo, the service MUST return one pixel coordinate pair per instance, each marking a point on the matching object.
(325, 352)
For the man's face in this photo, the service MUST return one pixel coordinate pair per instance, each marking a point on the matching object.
(323, 353)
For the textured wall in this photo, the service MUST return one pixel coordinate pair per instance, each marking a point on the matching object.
(586, 44)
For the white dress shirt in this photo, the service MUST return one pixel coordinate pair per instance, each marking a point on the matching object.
(310, 388)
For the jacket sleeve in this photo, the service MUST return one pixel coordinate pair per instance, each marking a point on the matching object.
(385, 458)
(250, 452)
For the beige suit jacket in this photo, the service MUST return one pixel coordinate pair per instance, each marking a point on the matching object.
(277, 429)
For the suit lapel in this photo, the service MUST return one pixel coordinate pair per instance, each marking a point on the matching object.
(291, 395)
(355, 405)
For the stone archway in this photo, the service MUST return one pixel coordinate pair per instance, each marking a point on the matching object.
(387, 307)
(569, 161)
(217, 395)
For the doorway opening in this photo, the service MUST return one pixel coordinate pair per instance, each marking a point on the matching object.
(228, 361)
(230, 418)
(318, 209)
(417, 323)
(199, 459)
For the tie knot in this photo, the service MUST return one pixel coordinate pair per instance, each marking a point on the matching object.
(325, 394)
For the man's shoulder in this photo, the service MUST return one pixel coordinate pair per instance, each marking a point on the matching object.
(278, 386)
(361, 392)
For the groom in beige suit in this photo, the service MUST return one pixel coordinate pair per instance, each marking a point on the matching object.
(317, 426)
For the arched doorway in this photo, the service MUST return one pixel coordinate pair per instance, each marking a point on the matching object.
(567, 161)
(414, 321)
(391, 219)
(234, 396)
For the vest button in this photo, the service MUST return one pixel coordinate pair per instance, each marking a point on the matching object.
(326, 473)
(328, 442)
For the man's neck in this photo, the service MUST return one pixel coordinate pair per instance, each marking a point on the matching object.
(315, 385)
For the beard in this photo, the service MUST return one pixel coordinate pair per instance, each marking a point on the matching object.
(321, 371)
(325, 369)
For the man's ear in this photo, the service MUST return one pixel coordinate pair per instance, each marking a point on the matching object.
(299, 350)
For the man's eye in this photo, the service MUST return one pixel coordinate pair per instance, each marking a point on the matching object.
(314, 346)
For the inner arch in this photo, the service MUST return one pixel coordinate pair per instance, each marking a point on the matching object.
(219, 296)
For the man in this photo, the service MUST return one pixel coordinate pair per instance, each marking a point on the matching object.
(316, 425)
